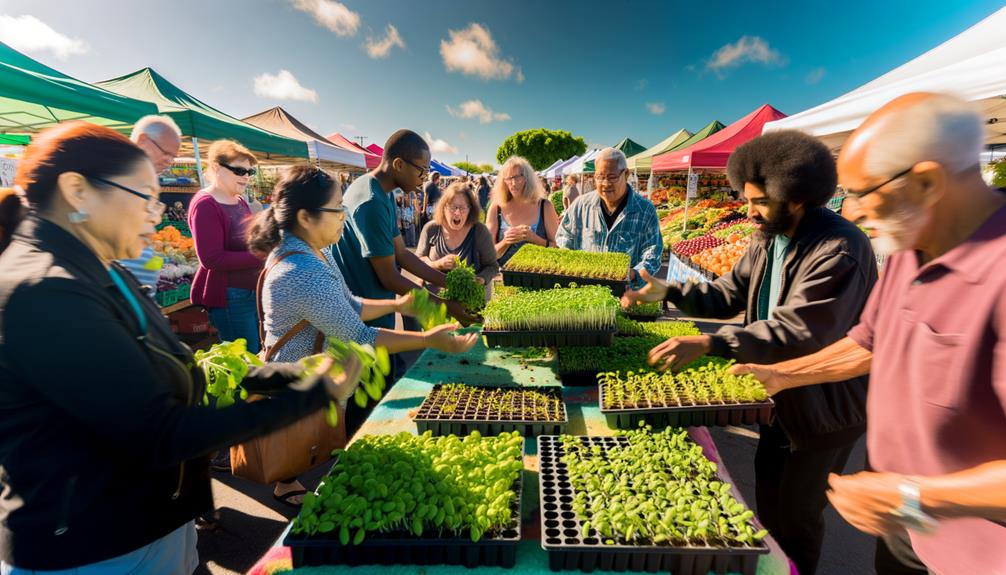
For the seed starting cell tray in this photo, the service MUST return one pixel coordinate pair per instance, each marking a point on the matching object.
(568, 549)
(688, 415)
(468, 416)
(552, 338)
(495, 549)
(584, 378)
(535, 280)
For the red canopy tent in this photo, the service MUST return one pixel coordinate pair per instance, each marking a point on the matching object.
(373, 160)
(714, 151)
(376, 149)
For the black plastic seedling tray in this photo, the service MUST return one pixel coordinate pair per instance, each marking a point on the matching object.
(584, 378)
(689, 415)
(468, 418)
(643, 318)
(400, 548)
(552, 338)
(567, 549)
(535, 280)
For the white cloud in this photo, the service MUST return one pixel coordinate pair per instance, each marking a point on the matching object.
(748, 49)
(476, 109)
(473, 51)
(656, 108)
(439, 146)
(29, 34)
(378, 49)
(283, 86)
(815, 75)
(331, 14)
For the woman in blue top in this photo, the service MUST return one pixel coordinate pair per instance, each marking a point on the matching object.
(303, 283)
(520, 213)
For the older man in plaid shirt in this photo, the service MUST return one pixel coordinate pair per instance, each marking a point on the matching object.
(614, 218)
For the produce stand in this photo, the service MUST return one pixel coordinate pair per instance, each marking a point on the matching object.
(497, 367)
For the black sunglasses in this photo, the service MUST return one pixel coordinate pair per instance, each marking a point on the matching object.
(339, 210)
(239, 172)
(422, 171)
(868, 191)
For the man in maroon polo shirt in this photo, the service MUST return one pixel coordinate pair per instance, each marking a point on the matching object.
(932, 337)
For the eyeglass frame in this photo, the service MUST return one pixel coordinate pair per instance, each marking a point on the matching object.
(608, 178)
(154, 205)
(158, 146)
(423, 172)
(233, 169)
(339, 210)
(860, 195)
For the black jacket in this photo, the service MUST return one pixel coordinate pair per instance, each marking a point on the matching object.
(827, 276)
(103, 441)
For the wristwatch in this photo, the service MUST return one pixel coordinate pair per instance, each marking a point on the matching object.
(910, 515)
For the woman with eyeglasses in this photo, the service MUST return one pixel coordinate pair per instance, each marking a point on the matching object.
(305, 298)
(218, 217)
(104, 440)
(520, 213)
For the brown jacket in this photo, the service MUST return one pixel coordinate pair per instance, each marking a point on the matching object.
(827, 277)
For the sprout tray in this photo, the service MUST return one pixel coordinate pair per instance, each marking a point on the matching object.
(672, 414)
(492, 410)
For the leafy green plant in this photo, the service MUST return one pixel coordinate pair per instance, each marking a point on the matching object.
(654, 489)
(224, 366)
(662, 329)
(624, 354)
(573, 308)
(536, 259)
(463, 287)
(427, 312)
(703, 382)
(499, 403)
(652, 309)
(405, 484)
(375, 365)
(556, 199)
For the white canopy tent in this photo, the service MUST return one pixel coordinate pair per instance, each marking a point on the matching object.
(554, 164)
(971, 65)
(556, 172)
(577, 166)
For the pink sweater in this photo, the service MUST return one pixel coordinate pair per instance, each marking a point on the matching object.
(210, 229)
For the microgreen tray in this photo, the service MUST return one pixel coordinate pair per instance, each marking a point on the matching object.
(551, 338)
(548, 281)
(568, 549)
(720, 414)
(495, 549)
(468, 416)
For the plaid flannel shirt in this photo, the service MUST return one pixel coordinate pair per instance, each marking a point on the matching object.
(636, 231)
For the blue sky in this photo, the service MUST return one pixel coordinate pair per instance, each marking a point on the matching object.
(602, 70)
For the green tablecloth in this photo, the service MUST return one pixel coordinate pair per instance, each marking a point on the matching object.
(494, 367)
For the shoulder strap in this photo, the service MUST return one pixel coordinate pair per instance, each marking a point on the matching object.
(499, 223)
(269, 352)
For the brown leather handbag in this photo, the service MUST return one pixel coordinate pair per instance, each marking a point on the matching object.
(288, 452)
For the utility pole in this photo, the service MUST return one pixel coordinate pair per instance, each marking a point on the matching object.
(360, 139)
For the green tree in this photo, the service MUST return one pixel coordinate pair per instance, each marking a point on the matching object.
(487, 168)
(999, 173)
(469, 167)
(541, 147)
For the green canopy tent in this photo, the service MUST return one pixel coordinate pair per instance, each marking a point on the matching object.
(34, 96)
(201, 121)
(642, 161)
(627, 146)
(710, 129)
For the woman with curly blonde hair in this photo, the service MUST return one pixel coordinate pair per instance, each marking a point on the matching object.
(520, 213)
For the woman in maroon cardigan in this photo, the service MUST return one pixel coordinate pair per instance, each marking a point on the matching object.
(227, 274)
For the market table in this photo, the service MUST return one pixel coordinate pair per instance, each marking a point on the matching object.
(494, 367)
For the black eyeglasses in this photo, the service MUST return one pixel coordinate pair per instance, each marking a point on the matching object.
(339, 210)
(154, 205)
(239, 172)
(422, 171)
(158, 146)
(868, 191)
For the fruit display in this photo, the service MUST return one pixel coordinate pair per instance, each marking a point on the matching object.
(583, 308)
(704, 382)
(571, 263)
(641, 489)
(394, 486)
(721, 259)
(693, 246)
(178, 254)
(463, 287)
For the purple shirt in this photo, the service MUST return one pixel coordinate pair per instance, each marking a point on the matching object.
(239, 216)
(937, 399)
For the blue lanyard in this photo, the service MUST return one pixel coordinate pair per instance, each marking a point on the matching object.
(121, 284)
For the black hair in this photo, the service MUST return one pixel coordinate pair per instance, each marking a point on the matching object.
(301, 187)
(405, 144)
(791, 166)
(483, 181)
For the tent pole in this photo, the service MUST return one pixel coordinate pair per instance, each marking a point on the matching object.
(199, 163)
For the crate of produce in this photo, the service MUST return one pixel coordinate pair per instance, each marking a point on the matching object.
(536, 267)
(703, 395)
(406, 499)
(641, 501)
(584, 315)
(461, 409)
(166, 298)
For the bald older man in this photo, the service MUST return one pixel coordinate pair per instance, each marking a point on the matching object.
(932, 337)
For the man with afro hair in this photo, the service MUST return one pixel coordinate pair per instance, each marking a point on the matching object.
(802, 285)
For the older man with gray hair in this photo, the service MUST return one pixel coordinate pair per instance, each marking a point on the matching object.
(613, 218)
(932, 338)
